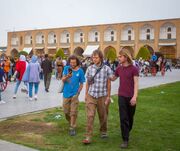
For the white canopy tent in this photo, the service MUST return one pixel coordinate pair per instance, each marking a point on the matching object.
(89, 50)
(28, 50)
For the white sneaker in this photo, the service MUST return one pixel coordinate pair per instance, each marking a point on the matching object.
(30, 98)
(14, 96)
(35, 97)
(2, 102)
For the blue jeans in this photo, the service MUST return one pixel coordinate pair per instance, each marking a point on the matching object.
(36, 86)
(41, 75)
(18, 82)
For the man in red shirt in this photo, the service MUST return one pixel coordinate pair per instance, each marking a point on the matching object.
(127, 93)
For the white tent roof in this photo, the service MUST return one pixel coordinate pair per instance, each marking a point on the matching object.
(89, 50)
(28, 50)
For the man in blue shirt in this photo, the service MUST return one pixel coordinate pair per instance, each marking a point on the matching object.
(73, 78)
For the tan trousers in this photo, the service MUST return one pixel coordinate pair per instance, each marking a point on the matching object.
(70, 107)
(91, 105)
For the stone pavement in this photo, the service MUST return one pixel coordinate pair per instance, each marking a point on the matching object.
(6, 146)
(21, 105)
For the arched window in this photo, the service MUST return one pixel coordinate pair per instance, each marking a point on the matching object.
(167, 31)
(169, 36)
(148, 37)
(65, 37)
(28, 39)
(31, 41)
(93, 35)
(110, 34)
(79, 36)
(40, 38)
(52, 38)
(129, 35)
(146, 32)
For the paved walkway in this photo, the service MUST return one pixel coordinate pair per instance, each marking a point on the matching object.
(7, 146)
(21, 105)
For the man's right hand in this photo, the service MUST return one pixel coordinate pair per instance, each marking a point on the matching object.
(69, 75)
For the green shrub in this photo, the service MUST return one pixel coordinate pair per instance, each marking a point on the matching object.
(60, 53)
(111, 54)
(144, 53)
(22, 53)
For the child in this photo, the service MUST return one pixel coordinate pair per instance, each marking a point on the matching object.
(127, 94)
(2, 78)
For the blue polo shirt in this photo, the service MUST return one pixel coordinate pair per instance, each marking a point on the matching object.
(71, 86)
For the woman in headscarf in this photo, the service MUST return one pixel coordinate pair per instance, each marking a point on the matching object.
(32, 76)
(21, 66)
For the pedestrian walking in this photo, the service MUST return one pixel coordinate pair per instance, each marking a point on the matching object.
(127, 94)
(97, 95)
(47, 71)
(21, 66)
(73, 78)
(32, 77)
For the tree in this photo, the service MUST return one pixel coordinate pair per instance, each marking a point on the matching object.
(22, 53)
(60, 53)
(144, 53)
(111, 54)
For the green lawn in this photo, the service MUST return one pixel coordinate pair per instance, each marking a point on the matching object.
(156, 126)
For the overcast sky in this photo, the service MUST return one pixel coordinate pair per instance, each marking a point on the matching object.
(18, 15)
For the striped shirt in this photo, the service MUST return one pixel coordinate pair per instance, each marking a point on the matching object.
(99, 87)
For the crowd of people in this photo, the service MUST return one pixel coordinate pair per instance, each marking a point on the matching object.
(98, 74)
(151, 67)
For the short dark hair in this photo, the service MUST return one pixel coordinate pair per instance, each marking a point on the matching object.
(46, 55)
(73, 57)
(99, 53)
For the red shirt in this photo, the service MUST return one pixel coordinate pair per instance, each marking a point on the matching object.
(126, 82)
(21, 67)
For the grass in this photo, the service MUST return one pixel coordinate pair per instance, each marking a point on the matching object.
(156, 126)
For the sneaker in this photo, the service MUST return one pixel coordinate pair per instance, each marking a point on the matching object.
(35, 97)
(2, 102)
(124, 144)
(86, 141)
(46, 90)
(14, 96)
(104, 135)
(72, 132)
(30, 98)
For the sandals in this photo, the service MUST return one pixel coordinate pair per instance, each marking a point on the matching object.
(86, 141)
